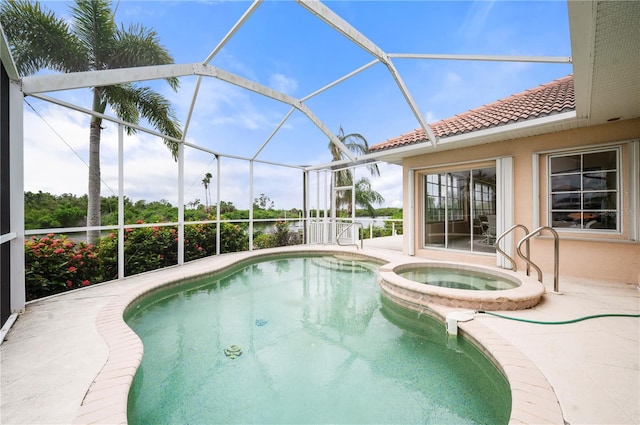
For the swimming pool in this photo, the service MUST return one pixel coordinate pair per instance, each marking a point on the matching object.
(317, 343)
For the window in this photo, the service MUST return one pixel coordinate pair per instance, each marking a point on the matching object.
(484, 198)
(460, 209)
(584, 190)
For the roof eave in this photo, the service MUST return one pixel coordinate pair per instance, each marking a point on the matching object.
(582, 17)
(566, 120)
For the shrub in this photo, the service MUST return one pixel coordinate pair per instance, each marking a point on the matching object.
(281, 236)
(145, 249)
(58, 264)
(233, 238)
(54, 265)
(264, 240)
(199, 241)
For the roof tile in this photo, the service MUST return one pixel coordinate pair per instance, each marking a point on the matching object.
(547, 99)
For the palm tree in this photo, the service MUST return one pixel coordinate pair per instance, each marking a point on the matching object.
(366, 197)
(40, 40)
(357, 144)
(207, 195)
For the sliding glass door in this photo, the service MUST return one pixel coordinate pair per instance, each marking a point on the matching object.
(460, 209)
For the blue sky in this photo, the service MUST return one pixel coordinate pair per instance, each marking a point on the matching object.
(285, 47)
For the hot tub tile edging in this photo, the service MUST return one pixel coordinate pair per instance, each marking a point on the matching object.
(527, 295)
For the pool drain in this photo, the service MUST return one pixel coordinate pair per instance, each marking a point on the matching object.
(233, 351)
(261, 322)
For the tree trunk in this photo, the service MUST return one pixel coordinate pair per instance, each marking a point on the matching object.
(93, 192)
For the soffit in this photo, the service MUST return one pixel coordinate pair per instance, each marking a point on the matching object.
(615, 92)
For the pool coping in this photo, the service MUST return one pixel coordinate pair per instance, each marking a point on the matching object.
(533, 398)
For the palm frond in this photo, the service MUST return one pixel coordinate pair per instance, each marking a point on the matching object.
(123, 101)
(140, 46)
(366, 197)
(39, 40)
(357, 144)
(95, 27)
(131, 103)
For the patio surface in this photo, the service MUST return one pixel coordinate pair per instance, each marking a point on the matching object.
(54, 352)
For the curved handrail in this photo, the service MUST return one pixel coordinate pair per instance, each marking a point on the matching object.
(343, 231)
(508, 257)
(556, 248)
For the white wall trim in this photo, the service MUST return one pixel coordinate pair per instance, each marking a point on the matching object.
(634, 190)
(535, 185)
(505, 206)
(411, 219)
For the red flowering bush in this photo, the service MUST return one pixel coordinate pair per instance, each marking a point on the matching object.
(57, 264)
(199, 241)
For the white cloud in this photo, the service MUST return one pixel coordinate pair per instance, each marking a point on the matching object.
(283, 84)
(213, 96)
(452, 78)
(232, 64)
(224, 113)
(430, 117)
(282, 185)
(475, 18)
(389, 184)
(150, 173)
(55, 150)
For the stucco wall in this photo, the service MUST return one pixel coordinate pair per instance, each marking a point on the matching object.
(599, 256)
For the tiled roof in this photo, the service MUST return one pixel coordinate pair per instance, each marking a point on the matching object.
(548, 99)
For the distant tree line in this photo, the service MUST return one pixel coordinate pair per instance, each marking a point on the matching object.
(56, 262)
(44, 210)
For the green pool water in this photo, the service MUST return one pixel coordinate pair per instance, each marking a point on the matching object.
(303, 340)
(448, 277)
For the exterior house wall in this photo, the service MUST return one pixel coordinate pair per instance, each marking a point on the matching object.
(606, 256)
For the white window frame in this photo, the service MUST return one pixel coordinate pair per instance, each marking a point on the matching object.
(619, 201)
(629, 192)
(504, 201)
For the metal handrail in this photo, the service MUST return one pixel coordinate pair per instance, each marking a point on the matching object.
(508, 257)
(349, 226)
(556, 246)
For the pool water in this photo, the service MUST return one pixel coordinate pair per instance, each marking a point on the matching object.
(447, 277)
(303, 340)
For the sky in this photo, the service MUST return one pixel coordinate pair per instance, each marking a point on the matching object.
(286, 48)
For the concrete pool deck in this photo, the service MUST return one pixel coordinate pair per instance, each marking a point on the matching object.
(55, 351)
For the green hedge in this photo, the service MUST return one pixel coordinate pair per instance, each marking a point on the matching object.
(55, 264)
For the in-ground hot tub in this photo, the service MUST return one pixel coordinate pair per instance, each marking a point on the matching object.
(415, 285)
